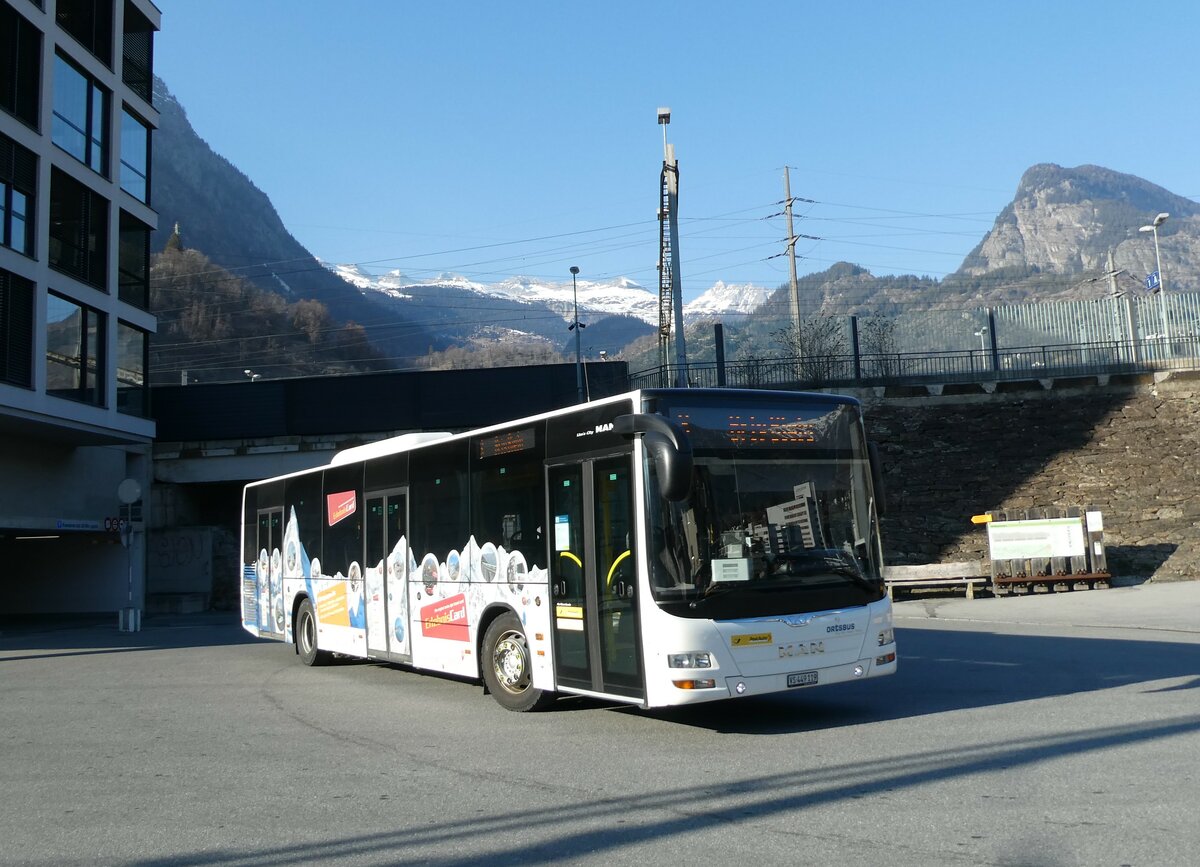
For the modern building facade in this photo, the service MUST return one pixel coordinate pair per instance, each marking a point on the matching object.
(76, 213)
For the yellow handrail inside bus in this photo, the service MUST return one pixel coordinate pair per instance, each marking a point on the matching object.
(615, 564)
(571, 556)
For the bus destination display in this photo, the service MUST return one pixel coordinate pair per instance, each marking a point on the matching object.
(752, 430)
(507, 443)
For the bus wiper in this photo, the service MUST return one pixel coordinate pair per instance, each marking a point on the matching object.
(714, 589)
(853, 573)
(810, 565)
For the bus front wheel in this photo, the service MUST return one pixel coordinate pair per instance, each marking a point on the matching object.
(306, 636)
(507, 670)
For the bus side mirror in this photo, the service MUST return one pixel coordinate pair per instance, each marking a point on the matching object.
(669, 447)
(877, 479)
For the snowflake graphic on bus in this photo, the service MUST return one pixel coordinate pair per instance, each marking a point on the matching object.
(445, 595)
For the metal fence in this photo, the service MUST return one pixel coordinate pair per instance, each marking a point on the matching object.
(915, 368)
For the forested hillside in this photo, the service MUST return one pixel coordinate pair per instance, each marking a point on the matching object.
(213, 326)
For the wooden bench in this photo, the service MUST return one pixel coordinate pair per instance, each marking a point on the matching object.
(935, 575)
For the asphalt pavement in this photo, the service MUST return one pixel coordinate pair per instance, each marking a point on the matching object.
(1167, 607)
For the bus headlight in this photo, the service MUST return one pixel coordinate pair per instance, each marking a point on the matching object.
(887, 636)
(695, 659)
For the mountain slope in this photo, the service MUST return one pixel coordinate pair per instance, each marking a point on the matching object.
(221, 213)
(1065, 221)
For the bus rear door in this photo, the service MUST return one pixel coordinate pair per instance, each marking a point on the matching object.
(387, 574)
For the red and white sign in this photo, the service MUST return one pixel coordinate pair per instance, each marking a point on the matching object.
(446, 618)
(341, 506)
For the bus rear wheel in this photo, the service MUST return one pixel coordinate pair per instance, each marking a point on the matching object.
(306, 636)
(507, 669)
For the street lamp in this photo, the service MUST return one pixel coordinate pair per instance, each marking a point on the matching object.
(1162, 283)
(982, 335)
(577, 327)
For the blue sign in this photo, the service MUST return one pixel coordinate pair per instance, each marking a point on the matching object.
(1152, 281)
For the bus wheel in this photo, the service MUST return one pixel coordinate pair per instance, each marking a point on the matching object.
(306, 636)
(507, 669)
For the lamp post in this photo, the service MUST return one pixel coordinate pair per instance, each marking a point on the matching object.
(1162, 283)
(577, 326)
(982, 335)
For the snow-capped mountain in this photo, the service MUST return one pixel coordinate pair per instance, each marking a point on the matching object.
(620, 297)
(725, 299)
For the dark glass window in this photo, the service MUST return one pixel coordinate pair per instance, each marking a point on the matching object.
(137, 52)
(80, 124)
(91, 23)
(342, 536)
(438, 514)
(387, 472)
(18, 192)
(16, 330)
(74, 343)
(20, 66)
(133, 265)
(249, 528)
(135, 156)
(303, 494)
(78, 230)
(508, 499)
(133, 347)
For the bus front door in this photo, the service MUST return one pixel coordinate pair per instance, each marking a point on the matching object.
(593, 577)
(387, 574)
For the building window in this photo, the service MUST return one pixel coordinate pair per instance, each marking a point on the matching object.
(135, 156)
(80, 125)
(20, 66)
(18, 193)
(74, 341)
(16, 330)
(91, 23)
(133, 347)
(133, 266)
(78, 230)
(137, 53)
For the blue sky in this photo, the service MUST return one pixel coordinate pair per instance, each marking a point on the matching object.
(501, 139)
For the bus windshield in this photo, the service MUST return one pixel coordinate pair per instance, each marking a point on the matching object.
(780, 518)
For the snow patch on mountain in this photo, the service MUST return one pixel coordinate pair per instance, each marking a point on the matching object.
(726, 299)
(619, 297)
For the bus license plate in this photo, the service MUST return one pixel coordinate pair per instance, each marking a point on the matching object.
(802, 678)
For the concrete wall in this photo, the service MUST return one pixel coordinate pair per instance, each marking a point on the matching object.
(56, 504)
(1131, 450)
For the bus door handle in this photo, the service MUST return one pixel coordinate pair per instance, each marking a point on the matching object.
(624, 591)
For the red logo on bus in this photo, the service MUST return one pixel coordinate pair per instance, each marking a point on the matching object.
(446, 618)
(340, 506)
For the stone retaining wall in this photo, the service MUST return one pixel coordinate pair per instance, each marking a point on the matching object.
(1131, 450)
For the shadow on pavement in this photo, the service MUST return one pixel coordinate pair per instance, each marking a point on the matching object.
(942, 670)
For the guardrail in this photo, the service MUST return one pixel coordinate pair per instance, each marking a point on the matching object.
(916, 368)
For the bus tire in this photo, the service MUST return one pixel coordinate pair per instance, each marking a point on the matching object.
(507, 666)
(306, 636)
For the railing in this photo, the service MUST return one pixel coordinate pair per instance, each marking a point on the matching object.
(916, 368)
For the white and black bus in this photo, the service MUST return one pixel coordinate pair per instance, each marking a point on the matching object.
(661, 547)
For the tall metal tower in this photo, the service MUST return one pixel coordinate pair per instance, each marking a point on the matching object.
(670, 295)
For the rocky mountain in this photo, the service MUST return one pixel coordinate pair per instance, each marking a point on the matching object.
(1065, 221)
